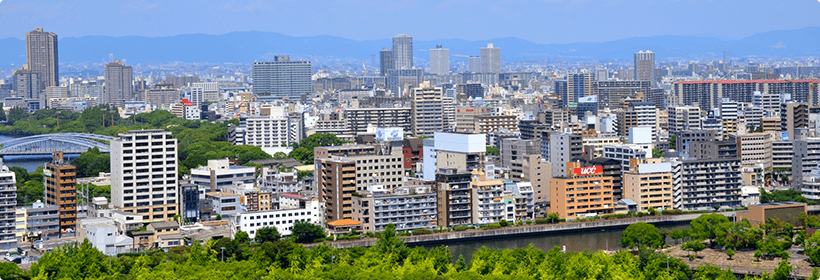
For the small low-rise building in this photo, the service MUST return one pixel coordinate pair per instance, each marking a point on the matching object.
(283, 220)
(38, 221)
(224, 204)
(102, 234)
(784, 211)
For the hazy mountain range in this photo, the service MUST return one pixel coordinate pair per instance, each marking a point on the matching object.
(244, 47)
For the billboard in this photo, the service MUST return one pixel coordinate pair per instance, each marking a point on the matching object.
(586, 171)
(784, 136)
(47, 172)
(389, 134)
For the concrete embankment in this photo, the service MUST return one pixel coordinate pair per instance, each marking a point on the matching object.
(528, 230)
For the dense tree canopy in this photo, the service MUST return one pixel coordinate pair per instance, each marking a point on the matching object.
(91, 163)
(642, 234)
(781, 196)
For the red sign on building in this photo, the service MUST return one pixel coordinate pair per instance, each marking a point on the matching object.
(586, 171)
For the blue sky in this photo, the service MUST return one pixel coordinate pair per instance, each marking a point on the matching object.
(545, 21)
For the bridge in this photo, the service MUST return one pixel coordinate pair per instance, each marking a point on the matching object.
(46, 144)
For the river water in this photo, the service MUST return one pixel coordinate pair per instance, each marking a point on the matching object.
(592, 240)
(30, 163)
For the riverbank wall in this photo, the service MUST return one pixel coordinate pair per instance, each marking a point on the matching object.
(526, 230)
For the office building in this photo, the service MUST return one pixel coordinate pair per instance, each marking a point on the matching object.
(282, 77)
(409, 208)
(209, 90)
(626, 152)
(810, 187)
(562, 148)
(684, 137)
(613, 94)
(782, 154)
(221, 175)
(587, 104)
(649, 184)
(578, 85)
(474, 64)
(144, 174)
(223, 204)
(457, 151)
(439, 61)
(37, 222)
(190, 202)
(385, 61)
(490, 59)
(754, 149)
(162, 96)
(119, 85)
(42, 56)
(645, 66)
(684, 118)
(427, 110)
(402, 52)
(713, 149)
(8, 200)
(401, 81)
(582, 192)
(61, 190)
(645, 115)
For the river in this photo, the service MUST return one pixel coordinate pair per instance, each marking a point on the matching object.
(30, 163)
(592, 240)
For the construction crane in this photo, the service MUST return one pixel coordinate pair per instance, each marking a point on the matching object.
(320, 64)
(365, 68)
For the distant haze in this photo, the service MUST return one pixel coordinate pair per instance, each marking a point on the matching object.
(542, 22)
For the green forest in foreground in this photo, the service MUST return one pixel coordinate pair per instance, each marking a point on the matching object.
(389, 258)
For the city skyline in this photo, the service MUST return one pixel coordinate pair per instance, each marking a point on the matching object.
(610, 20)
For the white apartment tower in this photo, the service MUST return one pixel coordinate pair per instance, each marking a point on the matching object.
(144, 174)
(439, 61)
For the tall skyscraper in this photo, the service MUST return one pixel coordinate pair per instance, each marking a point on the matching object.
(440, 61)
(645, 66)
(41, 56)
(578, 85)
(282, 77)
(8, 200)
(119, 83)
(402, 52)
(474, 64)
(385, 61)
(490, 59)
(144, 174)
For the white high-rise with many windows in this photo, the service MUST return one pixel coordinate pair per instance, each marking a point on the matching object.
(144, 174)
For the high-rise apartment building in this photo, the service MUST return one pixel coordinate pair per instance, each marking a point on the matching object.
(582, 192)
(474, 64)
(793, 116)
(282, 77)
(402, 52)
(61, 190)
(359, 119)
(562, 148)
(427, 110)
(649, 183)
(144, 174)
(41, 56)
(8, 200)
(119, 81)
(336, 182)
(612, 94)
(27, 83)
(385, 61)
(439, 61)
(645, 66)
(490, 59)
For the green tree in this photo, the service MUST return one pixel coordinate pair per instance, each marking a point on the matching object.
(91, 163)
(730, 253)
(657, 153)
(280, 155)
(693, 246)
(241, 237)
(815, 275)
(712, 272)
(672, 142)
(812, 248)
(16, 114)
(305, 232)
(641, 234)
(10, 270)
(389, 242)
(783, 271)
(267, 234)
(705, 226)
(2, 113)
(493, 151)
(461, 264)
